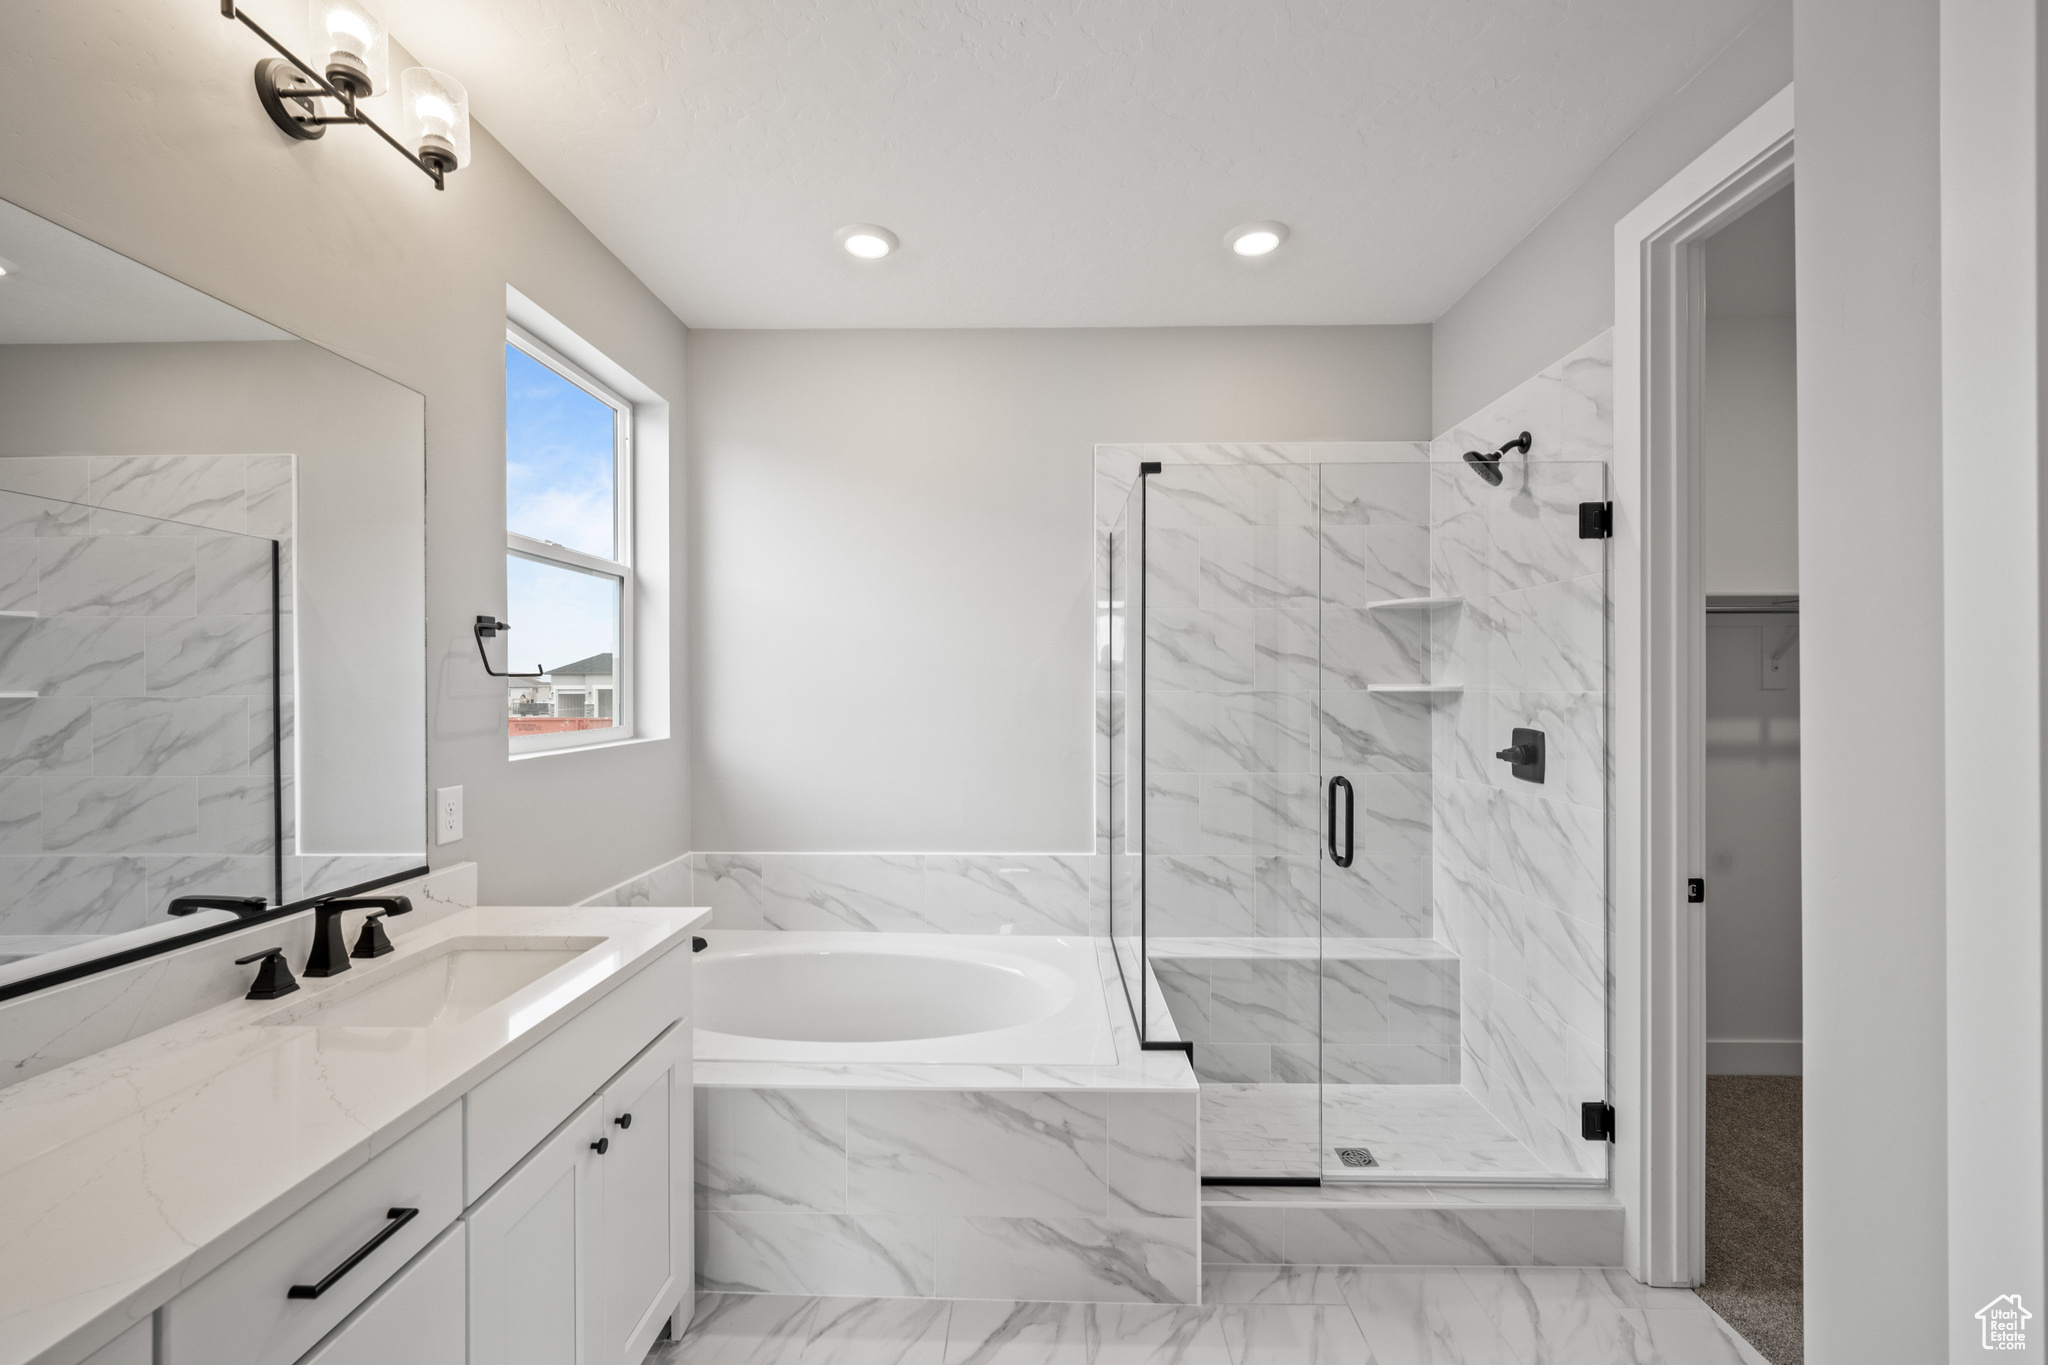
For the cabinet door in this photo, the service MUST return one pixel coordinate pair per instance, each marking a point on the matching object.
(417, 1318)
(643, 1251)
(530, 1242)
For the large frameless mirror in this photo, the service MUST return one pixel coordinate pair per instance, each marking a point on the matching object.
(212, 614)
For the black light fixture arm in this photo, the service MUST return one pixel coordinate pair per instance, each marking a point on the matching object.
(487, 627)
(321, 87)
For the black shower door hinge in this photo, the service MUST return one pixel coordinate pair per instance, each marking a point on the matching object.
(1695, 890)
(1596, 1121)
(1596, 520)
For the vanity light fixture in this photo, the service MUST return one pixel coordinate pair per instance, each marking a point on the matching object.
(865, 240)
(434, 107)
(1256, 239)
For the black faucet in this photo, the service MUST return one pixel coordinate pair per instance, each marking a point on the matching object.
(273, 978)
(373, 942)
(330, 954)
(248, 907)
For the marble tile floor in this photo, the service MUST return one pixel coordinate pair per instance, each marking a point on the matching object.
(1251, 1315)
(1260, 1129)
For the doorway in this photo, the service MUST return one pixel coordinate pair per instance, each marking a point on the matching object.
(1749, 682)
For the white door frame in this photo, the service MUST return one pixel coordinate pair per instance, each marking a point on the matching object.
(1659, 1033)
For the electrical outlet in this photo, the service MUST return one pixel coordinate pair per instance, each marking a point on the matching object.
(447, 815)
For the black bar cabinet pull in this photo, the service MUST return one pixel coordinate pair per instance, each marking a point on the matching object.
(1341, 859)
(399, 1218)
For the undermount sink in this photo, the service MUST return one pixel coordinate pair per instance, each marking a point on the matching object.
(456, 983)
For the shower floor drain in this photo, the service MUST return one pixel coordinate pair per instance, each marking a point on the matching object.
(1356, 1156)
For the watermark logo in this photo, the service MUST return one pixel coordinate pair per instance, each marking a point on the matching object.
(2005, 1323)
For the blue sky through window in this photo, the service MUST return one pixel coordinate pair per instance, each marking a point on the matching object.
(559, 616)
(560, 459)
(561, 468)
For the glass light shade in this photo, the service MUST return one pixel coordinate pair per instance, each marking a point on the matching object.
(436, 112)
(356, 47)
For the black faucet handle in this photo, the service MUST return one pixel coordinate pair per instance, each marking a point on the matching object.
(273, 978)
(373, 941)
(248, 907)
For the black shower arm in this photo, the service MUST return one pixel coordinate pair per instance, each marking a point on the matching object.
(491, 625)
(1520, 445)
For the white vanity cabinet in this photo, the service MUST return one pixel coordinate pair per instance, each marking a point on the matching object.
(579, 1255)
(448, 1246)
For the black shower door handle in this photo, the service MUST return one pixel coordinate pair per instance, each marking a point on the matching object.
(1341, 859)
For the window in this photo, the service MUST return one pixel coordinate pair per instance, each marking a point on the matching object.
(569, 550)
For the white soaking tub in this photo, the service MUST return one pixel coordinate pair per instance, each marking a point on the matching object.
(901, 998)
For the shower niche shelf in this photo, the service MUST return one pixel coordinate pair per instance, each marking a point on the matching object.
(1413, 603)
(1416, 689)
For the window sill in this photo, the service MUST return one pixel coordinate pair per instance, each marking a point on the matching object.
(588, 748)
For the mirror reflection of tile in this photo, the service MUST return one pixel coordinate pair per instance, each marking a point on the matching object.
(138, 597)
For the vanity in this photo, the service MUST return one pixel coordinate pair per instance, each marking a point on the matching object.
(466, 1139)
(476, 1148)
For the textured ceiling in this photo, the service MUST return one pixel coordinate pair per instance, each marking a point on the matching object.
(1065, 162)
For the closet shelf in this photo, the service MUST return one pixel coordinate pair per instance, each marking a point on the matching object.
(1412, 603)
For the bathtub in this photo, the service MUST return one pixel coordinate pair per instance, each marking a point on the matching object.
(901, 998)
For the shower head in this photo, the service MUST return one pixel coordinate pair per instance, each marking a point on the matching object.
(1487, 465)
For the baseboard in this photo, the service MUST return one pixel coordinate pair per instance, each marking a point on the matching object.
(1753, 1057)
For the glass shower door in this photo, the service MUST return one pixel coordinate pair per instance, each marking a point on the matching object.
(1230, 735)
(1463, 697)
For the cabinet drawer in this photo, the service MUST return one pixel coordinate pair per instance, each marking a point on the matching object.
(420, 1318)
(511, 1112)
(244, 1314)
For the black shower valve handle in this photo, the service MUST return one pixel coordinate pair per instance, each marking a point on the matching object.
(1517, 753)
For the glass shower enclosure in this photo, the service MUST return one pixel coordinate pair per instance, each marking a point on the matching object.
(1352, 726)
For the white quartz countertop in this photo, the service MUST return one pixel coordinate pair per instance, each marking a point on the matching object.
(128, 1175)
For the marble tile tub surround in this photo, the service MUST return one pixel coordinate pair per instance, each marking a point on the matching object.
(54, 1027)
(931, 1192)
(1518, 870)
(141, 770)
(921, 893)
(163, 1157)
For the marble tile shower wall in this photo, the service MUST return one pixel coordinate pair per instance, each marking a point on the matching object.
(141, 767)
(1519, 869)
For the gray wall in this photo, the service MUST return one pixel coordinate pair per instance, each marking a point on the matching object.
(1749, 437)
(1870, 577)
(147, 137)
(1555, 290)
(889, 558)
(1752, 788)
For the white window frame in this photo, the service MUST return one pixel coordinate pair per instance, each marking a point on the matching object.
(562, 557)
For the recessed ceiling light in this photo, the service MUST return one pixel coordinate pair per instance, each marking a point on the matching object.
(866, 241)
(1256, 239)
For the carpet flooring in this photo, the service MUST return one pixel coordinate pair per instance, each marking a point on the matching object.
(1754, 1277)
